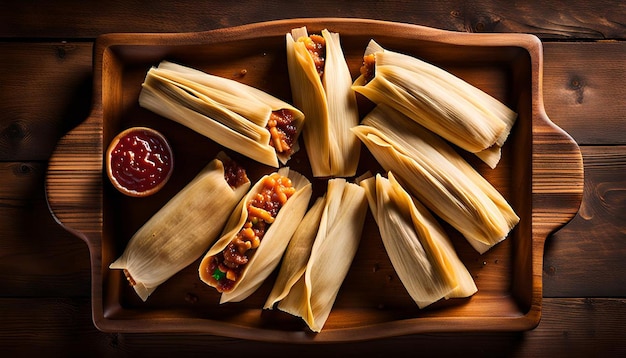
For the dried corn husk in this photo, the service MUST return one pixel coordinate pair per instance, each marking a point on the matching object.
(328, 103)
(181, 231)
(268, 254)
(439, 101)
(308, 288)
(438, 176)
(297, 254)
(419, 249)
(231, 113)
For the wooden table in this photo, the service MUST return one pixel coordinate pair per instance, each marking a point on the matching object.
(45, 78)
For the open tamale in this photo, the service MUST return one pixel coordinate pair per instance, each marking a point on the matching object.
(321, 87)
(235, 115)
(256, 235)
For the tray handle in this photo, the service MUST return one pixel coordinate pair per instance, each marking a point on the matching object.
(558, 177)
(74, 180)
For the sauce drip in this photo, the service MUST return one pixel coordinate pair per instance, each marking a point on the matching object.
(140, 160)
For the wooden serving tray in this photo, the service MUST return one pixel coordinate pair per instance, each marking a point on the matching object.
(540, 174)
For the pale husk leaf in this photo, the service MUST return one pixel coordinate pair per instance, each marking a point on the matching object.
(418, 247)
(154, 98)
(297, 254)
(251, 103)
(235, 95)
(229, 112)
(191, 95)
(334, 248)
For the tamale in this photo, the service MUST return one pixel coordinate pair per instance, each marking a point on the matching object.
(308, 288)
(321, 88)
(438, 176)
(419, 249)
(438, 100)
(182, 230)
(237, 116)
(256, 235)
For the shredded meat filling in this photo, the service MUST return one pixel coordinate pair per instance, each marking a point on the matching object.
(368, 69)
(316, 45)
(226, 267)
(234, 174)
(282, 130)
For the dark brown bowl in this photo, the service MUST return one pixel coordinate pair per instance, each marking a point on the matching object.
(540, 174)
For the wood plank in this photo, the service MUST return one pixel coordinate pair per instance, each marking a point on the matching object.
(46, 90)
(586, 257)
(549, 20)
(39, 258)
(584, 84)
(571, 327)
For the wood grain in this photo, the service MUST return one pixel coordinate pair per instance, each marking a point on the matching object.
(39, 259)
(552, 20)
(591, 248)
(576, 91)
(46, 90)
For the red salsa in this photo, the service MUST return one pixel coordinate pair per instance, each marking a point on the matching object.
(140, 161)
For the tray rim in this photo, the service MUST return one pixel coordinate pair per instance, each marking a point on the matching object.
(86, 231)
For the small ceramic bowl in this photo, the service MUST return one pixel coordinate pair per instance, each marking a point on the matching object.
(139, 161)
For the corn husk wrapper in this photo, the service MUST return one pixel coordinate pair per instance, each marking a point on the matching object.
(328, 103)
(307, 288)
(230, 113)
(297, 254)
(438, 176)
(273, 245)
(181, 231)
(419, 249)
(439, 101)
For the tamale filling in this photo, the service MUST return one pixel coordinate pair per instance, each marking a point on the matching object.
(282, 130)
(316, 45)
(368, 69)
(226, 267)
(234, 174)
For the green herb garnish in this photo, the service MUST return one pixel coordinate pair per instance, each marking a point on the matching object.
(218, 274)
